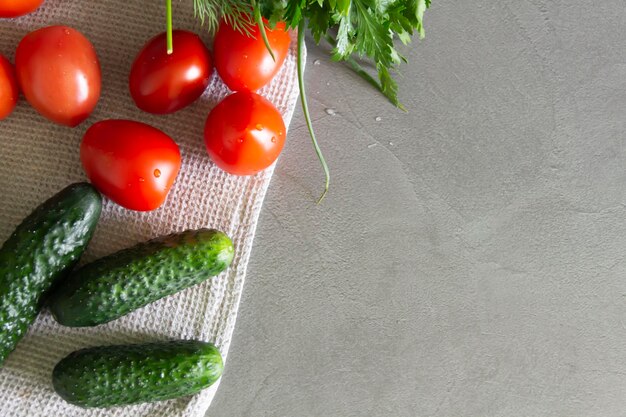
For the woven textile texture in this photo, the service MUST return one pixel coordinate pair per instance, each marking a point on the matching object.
(39, 158)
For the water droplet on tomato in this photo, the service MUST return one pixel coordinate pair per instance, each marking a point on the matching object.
(273, 139)
(157, 173)
(240, 140)
(245, 56)
(141, 179)
(259, 126)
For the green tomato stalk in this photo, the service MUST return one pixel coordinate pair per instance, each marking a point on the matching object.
(168, 13)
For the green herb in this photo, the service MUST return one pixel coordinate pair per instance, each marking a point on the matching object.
(233, 11)
(305, 109)
(363, 28)
(259, 21)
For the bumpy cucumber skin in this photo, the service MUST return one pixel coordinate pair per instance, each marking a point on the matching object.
(127, 374)
(132, 278)
(45, 246)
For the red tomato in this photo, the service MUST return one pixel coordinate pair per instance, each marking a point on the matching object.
(14, 8)
(162, 83)
(9, 93)
(243, 62)
(59, 74)
(132, 163)
(244, 133)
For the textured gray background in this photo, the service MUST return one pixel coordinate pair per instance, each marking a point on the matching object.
(470, 257)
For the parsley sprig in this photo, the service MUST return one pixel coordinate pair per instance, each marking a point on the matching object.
(364, 29)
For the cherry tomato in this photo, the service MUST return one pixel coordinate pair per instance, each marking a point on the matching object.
(15, 8)
(244, 133)
(132, 163)
(9, 93)
(164, 83)
(243, 62)
(59, 74)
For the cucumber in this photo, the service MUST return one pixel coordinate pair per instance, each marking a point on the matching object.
(42, 249)
(131, 278)
(127, 374)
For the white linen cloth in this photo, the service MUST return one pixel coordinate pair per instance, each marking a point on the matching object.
(39, 158)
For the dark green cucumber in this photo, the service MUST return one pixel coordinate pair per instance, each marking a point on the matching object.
(128, 374)
(42, 249)
(131, 278)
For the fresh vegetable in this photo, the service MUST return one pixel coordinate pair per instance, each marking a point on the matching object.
(41, 250)
(364, 28)
(127, 374)
(244, 133)
(9, 92)
(243, 61)
(15, 8)
(132, 163)
(59, 74)
(132, 278)
(162, 82)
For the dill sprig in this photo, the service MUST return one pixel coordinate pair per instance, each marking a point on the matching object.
(233, 11)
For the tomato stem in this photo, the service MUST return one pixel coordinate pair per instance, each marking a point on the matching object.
(305, 107)
(168, 12)
(259, 21)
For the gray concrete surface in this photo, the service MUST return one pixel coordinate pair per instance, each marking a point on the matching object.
(470, 257)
